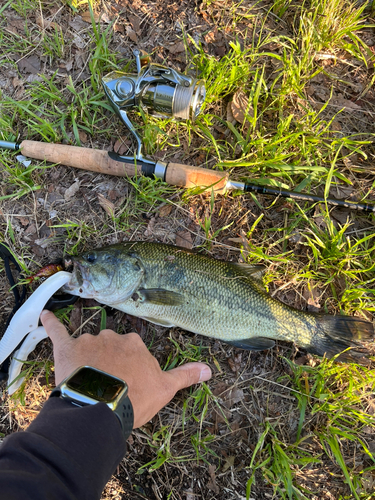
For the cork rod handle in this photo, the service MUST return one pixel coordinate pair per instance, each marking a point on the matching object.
(94, 160)
(186, 176)
(177, 174)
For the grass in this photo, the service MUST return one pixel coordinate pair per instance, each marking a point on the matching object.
(284, 58)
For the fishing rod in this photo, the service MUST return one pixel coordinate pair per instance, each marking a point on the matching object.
(163, 92)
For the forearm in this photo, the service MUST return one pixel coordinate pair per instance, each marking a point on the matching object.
(67, 453)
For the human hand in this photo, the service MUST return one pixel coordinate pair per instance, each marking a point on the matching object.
(126, 357)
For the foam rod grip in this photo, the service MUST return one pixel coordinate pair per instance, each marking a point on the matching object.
(94, 160)
(186, 176)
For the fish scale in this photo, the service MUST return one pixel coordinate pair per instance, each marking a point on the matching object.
(171, 286)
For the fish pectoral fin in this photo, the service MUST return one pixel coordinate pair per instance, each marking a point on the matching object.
(253, 344)
(158, 321)
(161, 297)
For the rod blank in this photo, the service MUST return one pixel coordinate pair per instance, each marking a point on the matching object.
(309, 197)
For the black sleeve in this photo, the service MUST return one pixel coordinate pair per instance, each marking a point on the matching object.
(67, 453)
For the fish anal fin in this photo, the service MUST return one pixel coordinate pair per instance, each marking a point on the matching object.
(161, 297)
(252, 344)
(158, 321)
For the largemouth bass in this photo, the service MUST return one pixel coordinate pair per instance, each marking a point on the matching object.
(171, 286)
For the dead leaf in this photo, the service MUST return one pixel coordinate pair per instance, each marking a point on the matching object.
(209, 37)
(71, 191)
(113, 194)
(229, 462)
(120, 201)
(106, 205)
(135, 22)
(31, 229)
(33, 78)
(240, 107)
(78, 23)
(212, 481)
(176, 48)
(87, 17)
(150, 227)
(121, 146)
(82, 136)
(312, 296)
(184, 240)
(165, 210)
(230, 117)
(29, 64)
(16, 25)
(37, 250)
(220, 388)
(18, 87)
(235, 362)
(336, 125)
(245, 243)
(80, 58)
(341, 102)
(220, 50)
(79, 42)
(104, 18)
(341, 215)
(131, 34)
(16, 82)
(67, 66)
(75, 320)
(233, 396)
(118, 27)
(48, 25)
(24, 220)
(43, 242)
(302, 360)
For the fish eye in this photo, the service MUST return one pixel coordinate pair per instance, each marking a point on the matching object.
(90, 257)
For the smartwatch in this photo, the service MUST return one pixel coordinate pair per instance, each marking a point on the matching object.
(88, 386)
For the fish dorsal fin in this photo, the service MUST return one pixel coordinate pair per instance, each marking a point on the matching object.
(252, 344)
(254, 272)
(160, 297)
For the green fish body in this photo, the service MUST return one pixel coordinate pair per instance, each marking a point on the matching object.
(170, 286)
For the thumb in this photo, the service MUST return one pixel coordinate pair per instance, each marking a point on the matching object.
(55, 330)
(188, 374)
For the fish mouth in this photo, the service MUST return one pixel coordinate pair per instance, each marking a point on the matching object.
(78, 274)
(79, 283)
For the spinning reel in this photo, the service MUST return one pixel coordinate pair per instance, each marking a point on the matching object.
(158, 90)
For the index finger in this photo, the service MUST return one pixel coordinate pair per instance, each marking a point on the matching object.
(55, 330)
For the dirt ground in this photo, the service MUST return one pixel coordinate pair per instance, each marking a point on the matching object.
(248, 390)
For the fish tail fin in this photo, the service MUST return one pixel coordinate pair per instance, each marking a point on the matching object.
(337, 333)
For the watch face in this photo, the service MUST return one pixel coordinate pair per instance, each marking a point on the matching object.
(96, 385)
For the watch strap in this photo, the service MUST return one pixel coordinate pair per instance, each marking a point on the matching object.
(124, 412)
